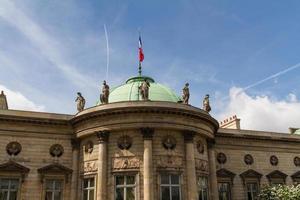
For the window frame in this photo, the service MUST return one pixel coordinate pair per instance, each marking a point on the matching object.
(136, 185)
(19, 185)
(95, 186)
(251, 182)
(230, 188)
(170, 185)
(207, 186)
(57, 178)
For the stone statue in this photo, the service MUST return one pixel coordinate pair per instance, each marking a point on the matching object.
(80, 102)
(3, 101)
(105, 93)
(206, 105)
(186, 94)
(144, 90)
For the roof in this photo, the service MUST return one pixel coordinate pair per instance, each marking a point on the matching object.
(130, 91)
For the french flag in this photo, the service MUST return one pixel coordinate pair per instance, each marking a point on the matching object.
(141, 54)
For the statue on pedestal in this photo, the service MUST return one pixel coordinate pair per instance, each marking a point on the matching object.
(80, 102)
(206, 105)
(105, 93)
(186, 94)
(3, 101)
(144, 90)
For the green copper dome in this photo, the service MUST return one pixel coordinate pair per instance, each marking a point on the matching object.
(130, 91)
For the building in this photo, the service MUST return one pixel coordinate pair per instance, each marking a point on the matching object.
(134, 149)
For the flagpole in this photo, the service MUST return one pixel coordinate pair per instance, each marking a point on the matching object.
(140, 69)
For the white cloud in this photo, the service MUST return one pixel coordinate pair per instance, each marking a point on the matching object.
(261, 112)
(17, 101)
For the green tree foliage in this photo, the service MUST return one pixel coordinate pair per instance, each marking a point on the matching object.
(280, 192)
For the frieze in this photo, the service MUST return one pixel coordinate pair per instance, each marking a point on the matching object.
(125, 163)
(174, 162)
(90, 166)
(201, 165)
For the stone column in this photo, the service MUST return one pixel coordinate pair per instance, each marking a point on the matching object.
(214, 193)
(75, 156)
(148, 166)
(190, 165)
(102, 165)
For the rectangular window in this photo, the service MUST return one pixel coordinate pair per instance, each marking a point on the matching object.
(88, 189)
(170, 187)
(125, 187)
(9, 188)
(224, 191)
(54, 189)
(203, 187)
(252, 191)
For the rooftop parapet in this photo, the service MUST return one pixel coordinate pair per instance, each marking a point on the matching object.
(231, 123)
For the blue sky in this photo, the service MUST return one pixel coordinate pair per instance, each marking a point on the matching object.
(52, 49)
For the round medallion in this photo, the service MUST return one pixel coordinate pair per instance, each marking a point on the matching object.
(13, 148)
(221, 158)
(274, 160)
(56, 150)
(297, 161)
(248, 159)
(125, 142)
(200, 147)
(89, 147)
(169, 142)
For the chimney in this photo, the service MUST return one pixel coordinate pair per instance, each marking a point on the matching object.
(3, 101)
(231, 123)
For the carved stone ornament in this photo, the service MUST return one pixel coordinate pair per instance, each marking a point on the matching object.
(274, 160)
(167, 162)
(13, 148)
(221, 158)
(248, 159)
(297, 161)
(89, 147)
(125, 142)
(90, 166)
(123, 163)
(201, 165)
(200, 146)
(169, 142)
(56, 150)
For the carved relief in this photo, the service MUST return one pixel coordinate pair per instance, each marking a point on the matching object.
(90, 166)
(170, 162)
(200, 146)
(122, 163)
(248, 159)
(201, 165)
(13, 148)
(169, 142)
(125, 142)
(56, 150)
(297, 161)
(89, 147)
(221, 158)
(274, 160)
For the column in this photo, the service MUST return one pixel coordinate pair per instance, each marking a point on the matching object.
(75, 155)
(214, 193)
(102, 165)
(148, 166)
(190, 166)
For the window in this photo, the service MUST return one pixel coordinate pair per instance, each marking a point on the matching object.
(252, 191)
(170, 187)
(203, 187)
(88, 189)
(54, 189)
(9, 189)
(224, 191)
(125, 187)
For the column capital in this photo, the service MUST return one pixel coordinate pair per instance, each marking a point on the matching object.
(75, 142)
(147, 133)
(188, 136)
(102, 136)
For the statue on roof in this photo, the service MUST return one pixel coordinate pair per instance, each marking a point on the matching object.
(105, 93)
(3, 101)
(186, 94)
(144, 90)
(80, 102)
(206, 105)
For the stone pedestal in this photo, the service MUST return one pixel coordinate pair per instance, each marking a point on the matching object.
(148, 166)
(190, 166)
(75, 155)
(102, 165)
(214, 193)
